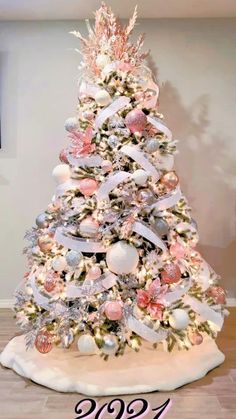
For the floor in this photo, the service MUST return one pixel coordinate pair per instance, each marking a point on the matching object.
(212, 397)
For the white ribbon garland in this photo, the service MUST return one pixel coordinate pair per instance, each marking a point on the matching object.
(148, 234)
(66, 186)
(205, 311)
(90, 161)
(138, 156)
(88, 89)
(110, 110)
(168, 202)
(89, 288)
(78, 244)
(112, 181)
(144, 331)
(157, 123)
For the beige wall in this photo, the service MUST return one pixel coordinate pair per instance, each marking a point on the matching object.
(196, 65)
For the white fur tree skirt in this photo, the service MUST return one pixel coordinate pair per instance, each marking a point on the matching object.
(148, 370)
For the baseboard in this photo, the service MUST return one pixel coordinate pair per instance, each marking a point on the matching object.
(8, 303)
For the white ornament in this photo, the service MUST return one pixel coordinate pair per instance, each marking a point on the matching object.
(164, 161)
(140, 177)
(110, 345)
(61, 173)
(86, 345)
(59, 264)
(71, 124)
(122, 258)
(88, 227)
(102, 98)
(179, 319)
(102, 60)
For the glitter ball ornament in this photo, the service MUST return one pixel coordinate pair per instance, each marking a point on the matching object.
(177, 250)
(87, 345)
(136, 120)
(42, 220)
(59, 263)
(43, 342)
(140, 177)
(61, 173)
(217, 293)
(102, 98)
(102, 60)
(45, 243)
(94, 273)
(71, 124)
(106, 166)
(50, 281)
(195, 338)
(109, 345)
(113, 310)
(88, 186)
(113, 141)
(152, 145)
(145, 196)
(88, 227)
(161, 226)
(170, 180)
(73, 258)
(171, 274)
(179, 319)
(122, 258)
(63, 156)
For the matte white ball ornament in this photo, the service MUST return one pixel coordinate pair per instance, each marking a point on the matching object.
(59, 264)
(102, 98)
(179, 319)
(86, 345)
(61, 173)
(140, 177)
(102, 60)
(71, 124)
(88, 227)
(122, 258)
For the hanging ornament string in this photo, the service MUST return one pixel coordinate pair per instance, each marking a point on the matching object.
(205, 311)
(139, 157)
(111, 183)
(90, 287)
(110, 110)
(77, 244)
(148, 234)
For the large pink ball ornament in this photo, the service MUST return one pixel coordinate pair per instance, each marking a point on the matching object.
(195, 338)
(88, 186)
(43, 342)
(170, 180)
(114, 310)
(136, 120)
(171, 274)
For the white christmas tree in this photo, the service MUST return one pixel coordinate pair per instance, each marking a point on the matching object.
(112, 261)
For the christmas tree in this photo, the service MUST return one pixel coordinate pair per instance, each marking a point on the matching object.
(113, 259)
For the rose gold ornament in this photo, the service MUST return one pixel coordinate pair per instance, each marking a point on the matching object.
(170, 180)
(114, 310)
(45, 243)
(136, 120)
(218, 294)
(88, 186)
(63, 156)
(89, 115)
(89, 227)
(43, 342)
(177, 250)
(51, 281)
(94, 273)
(171, 274)
(106, 166)
(195, 338)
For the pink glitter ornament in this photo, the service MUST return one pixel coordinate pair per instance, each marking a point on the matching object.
(195, 338)
(94, 273)
(218, 294)
(63, 156)
(88, 186)
(50, 281)
(43, 342)
(136, 120)
(177, 250)
(170, 180)
(45, 243)
(106, 166)
(171, 274)
(114, 310)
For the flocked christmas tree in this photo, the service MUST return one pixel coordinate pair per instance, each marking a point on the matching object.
(112, 261)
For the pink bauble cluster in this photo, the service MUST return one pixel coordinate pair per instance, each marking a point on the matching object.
(171, 274)
(136, 120)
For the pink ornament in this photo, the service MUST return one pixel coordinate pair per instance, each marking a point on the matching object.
(114, 310)
(153, 299)
(89, 115)
(195, 338)
(88, 186)
(136, 120)
(218, 294)
(63, 156)
(45, 243)
(43, 342)
(106, 166)
(170, 180)
(177, 250)
(171, 274)
(51, 281)
(94, 273)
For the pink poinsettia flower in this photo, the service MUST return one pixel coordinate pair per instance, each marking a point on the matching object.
(153, 299)
(82, 142)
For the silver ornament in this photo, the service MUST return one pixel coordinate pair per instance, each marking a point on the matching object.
(42, 221)
(152, 145)
(73, 258)
(110, 345)
(161, 227)
(71, 124)
(145, 196)
(67, 339)
(113, 141)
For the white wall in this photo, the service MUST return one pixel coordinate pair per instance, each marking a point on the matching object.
(38, 74)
